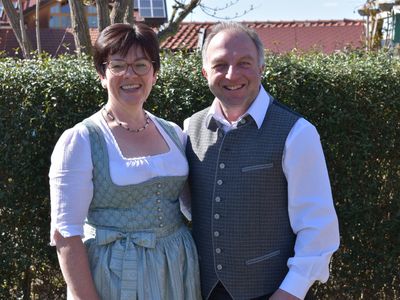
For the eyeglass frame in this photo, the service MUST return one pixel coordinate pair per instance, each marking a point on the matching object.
(129, 65)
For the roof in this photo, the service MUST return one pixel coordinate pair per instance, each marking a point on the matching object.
(280, 37)
(283, 36)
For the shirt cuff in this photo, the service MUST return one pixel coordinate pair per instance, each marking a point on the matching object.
(296, 284)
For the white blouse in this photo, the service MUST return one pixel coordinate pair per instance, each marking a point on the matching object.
(71, 186)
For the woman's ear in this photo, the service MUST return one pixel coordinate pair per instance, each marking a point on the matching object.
(103, 81)
(155, 78)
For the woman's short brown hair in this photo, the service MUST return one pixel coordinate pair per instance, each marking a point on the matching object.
(119, 38)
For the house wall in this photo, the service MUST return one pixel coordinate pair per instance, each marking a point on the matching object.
(44, 16)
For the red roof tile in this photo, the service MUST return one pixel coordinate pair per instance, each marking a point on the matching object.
(283, 36)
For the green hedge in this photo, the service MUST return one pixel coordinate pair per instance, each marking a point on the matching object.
(352, 98)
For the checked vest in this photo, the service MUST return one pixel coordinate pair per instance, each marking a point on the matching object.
(239, 202)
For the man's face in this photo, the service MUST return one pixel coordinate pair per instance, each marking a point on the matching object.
(232, 70)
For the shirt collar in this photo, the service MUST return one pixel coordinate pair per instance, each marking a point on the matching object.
(257, 111)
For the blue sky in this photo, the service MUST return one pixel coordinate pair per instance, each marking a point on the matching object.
(281, 10)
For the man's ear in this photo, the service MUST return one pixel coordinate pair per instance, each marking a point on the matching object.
(262, 67)
(204, 72)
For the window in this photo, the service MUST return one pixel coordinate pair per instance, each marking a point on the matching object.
(60, 16)
(91, 16)
(152, 8)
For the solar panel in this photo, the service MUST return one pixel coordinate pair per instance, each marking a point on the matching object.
(152, 8)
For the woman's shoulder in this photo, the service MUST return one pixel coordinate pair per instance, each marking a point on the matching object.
(173, 125)
(77, 134)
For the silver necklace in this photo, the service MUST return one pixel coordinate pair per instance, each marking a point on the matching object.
(112, 118)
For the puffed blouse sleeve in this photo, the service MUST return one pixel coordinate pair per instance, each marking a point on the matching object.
(71, 187)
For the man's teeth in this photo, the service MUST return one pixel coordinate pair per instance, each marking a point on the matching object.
(132, 86)
(234, 87)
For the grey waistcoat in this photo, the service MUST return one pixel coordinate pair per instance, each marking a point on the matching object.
(239, 202)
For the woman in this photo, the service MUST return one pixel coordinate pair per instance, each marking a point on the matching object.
(115, 179)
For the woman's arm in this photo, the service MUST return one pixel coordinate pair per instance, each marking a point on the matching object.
(74, 264)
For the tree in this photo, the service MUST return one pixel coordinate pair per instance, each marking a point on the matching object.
(37, 27)
(80, 27)
(18, 26)
(122, 11)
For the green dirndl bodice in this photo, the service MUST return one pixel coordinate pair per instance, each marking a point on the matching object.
(138, 246)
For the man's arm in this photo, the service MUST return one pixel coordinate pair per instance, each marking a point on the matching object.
(311, 210)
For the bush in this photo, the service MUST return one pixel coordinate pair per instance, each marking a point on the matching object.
(352, 98)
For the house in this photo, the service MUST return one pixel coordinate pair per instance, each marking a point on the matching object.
(382, 23)
(281, 36)
(55, 23)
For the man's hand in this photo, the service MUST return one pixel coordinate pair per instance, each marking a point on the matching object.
(282, 295)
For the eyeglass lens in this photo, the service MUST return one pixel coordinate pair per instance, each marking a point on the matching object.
(119, 67)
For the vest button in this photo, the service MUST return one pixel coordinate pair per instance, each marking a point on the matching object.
(218, 199)
(218, 250)
(222, 166)
(216, 216)
(219, 267)
(219, 182)
(216, 233)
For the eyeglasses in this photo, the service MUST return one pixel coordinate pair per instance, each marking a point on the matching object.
(119, 67)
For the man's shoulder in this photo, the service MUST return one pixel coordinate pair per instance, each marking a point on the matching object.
(285, 109)
(200, 114)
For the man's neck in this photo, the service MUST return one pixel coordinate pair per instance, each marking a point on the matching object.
(231, 114)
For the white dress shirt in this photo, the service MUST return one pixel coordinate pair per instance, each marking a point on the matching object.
(71, 186)
(311, 211)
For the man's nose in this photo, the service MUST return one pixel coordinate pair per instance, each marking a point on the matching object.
(231, 72)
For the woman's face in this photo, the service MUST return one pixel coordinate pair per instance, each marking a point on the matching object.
(128, 88)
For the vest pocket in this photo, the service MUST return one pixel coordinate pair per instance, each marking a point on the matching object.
(264, 257)
(257, 167)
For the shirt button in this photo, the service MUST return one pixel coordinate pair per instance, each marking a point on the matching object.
(219, 267)
(222, 166)
(220, 135)
(158, 201)
(219, 182)
(159, 209)
(218, 250)
(216, 216)
(216, 233)
(160, 217)
(159, 185)
(218, 199)
(158, 193)
(161, 225)
(242, 121)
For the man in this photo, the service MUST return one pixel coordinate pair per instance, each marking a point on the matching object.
(262, 210)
